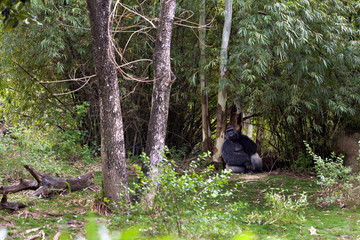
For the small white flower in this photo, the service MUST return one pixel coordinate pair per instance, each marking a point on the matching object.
(313, 231)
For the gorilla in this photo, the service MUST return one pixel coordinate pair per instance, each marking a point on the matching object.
(239, 153)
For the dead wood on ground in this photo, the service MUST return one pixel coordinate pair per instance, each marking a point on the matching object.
(44, 186)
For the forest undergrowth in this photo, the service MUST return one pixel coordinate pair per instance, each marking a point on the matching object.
(192, 204)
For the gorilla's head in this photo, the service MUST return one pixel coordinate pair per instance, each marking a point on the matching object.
(231, 133)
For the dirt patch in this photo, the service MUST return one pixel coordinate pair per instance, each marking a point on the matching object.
(278, 172)
(252, 177)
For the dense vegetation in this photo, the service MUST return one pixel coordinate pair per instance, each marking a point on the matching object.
(200, 204)
(292, 68)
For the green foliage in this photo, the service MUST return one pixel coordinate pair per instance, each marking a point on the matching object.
(16, 11)
(303, 163)
(179, 154)
(59, 49)
(338, 183)
(288, 63)
(26, 146)
(39, 149)
(282, 210)
(185, 204)
(68, 146)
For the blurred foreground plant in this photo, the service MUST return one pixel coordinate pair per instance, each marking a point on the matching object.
(95, 231)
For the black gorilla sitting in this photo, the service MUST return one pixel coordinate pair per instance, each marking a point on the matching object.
(239, 153)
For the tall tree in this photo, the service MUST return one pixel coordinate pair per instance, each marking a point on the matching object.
(164, 78)
(222, 94)
(111, 125)
(206, 132)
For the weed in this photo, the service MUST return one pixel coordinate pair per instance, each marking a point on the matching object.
(283, 210)
(338, 184)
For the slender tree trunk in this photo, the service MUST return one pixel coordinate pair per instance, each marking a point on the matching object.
(248, 125)
(236, 118)
(111, 125)
(164, 78)
(222, 95)
(259, 139)
(206, 132)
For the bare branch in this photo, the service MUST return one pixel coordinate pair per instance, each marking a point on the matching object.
(132, 91)
(139, 60)
(60, 94)
(68, 80)
(143, 17)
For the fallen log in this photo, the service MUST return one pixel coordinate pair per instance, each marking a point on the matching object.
(21, 186)
(44, 186)
(49, 185)
(4, 204)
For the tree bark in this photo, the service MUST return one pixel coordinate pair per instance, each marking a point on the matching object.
(248, 125)
(14, 206)
(21, 186)
(222, 94)
(164, 78)
(111, 126)
(206, 131)
(259, 139)
(48, 185)
(236, 119)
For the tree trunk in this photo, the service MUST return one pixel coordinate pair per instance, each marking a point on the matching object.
(206, 132)
(249, 127)
(222, 95)
(164, 78)
(259, 139)
(111, 125)
(236, 118)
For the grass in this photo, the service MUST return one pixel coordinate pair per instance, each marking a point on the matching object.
(69, 212)
(47, 217)
(330, 223)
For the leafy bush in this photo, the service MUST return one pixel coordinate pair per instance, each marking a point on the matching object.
(25, 146)
(28, 139)
(303, 163)
(68, 146)
(338, 184)
(283, 210)
(31, 146)
(184, 204)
